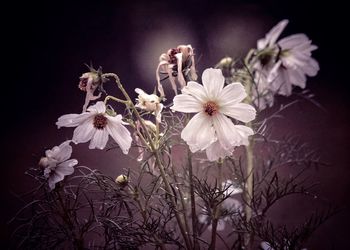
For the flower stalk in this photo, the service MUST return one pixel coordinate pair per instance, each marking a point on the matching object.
(159, 163)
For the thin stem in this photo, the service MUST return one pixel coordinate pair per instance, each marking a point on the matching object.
(158, 160)
(109, 97)
(216, 210)
(249, 190)
(248, 238)
(193, 202)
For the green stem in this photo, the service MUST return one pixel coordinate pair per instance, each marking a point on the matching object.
(193, 202)
(216, 210)
(158, 160)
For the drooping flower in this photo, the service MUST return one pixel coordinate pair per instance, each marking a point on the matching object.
(57, 164)
(89, 82)
(282, 64)
(174, 63)
(95, 125)
(214, 104)
(150, 103)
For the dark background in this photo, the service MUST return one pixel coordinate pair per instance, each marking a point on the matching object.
(47, 44)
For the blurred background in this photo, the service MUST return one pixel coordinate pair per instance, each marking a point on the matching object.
(47, 45)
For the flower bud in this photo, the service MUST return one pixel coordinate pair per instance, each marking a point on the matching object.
(122, 180)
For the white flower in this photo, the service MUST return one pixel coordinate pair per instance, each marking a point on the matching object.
(150, 103)
(284, 63)
(56, 163)
(231, 188)
(213, 104)
(96, 125)
(228, 207)
(89, 82)
(267, 246)
(263, 95)
(173, 63)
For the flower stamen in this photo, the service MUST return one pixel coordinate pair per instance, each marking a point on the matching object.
(100, 121)
(210, 108)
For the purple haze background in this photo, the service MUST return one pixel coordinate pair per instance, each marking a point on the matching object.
(50, 42)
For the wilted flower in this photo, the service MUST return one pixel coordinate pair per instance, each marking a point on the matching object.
(150, 103)
(176, 62)
(284, 63)
(213, 104)
(96, 125)
(56, 164)
(89, 82)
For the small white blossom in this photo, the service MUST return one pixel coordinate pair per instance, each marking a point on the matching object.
(214, 104)
(95, 126)
(57, 163)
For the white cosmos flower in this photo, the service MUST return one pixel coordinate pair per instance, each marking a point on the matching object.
(284, 63)
(56, 163)
(95, 126)
(214, 104)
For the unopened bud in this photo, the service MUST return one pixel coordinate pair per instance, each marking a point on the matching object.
(122, 180)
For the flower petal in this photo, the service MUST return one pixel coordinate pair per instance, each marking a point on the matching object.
(229, 134)
(99, 139)
(272, 36)
(213, 82)
(199, 132)
(84, 132)
(99, 107)
(231, 94)
(215, 151)
(119, 133)
(239, 111)
(187, 104)
(72, 120)
(196, 90)
(64, 153)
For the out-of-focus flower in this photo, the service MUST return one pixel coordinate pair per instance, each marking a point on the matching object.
(122, 180)
(231, 188)
(229, 207)
(89, 82)
(213, 104)
(282, 64)
(150, 103)
(177, 62)
(267, 246)
(96, 125)
(57, 164)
